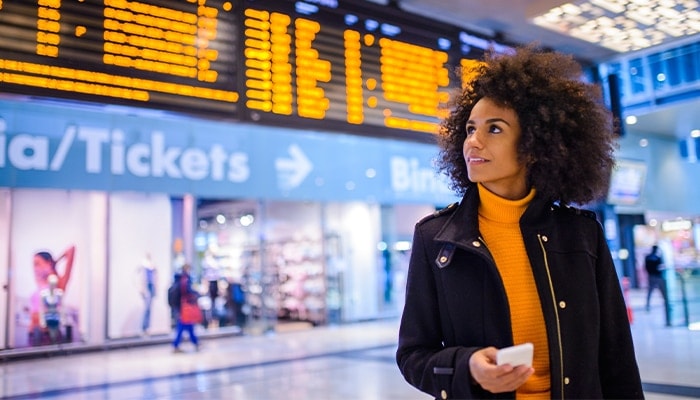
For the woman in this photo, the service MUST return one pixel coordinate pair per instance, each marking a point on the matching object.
(512, 262)
(45, 266)
(186, 297)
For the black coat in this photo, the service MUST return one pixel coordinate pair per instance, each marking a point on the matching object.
(456, 304)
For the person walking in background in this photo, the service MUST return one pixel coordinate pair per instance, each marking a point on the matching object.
(512, 262)
(174, 299)
(654, 265)
(186, 310)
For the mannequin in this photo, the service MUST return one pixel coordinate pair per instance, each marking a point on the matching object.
(51, 311)
(148, 275)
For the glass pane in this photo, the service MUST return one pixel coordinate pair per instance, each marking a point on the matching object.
(637, 76)
(228, 272)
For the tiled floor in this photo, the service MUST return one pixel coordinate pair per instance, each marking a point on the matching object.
(349, 362)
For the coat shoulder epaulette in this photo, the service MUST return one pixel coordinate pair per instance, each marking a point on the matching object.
(450, 208)
(576, 211)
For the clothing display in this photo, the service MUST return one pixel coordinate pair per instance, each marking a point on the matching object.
(299, 268)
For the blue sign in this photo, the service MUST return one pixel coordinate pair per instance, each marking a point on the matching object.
(66, 146)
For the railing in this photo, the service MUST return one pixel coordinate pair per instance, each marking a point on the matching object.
(684, 294)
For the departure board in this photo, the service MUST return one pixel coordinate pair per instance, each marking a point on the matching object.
(334, 65)
(366, 66)
(169, 54)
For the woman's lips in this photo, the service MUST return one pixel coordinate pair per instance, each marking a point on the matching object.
(476, 160)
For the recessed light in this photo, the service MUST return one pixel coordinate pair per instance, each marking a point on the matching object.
(631, 120)
(624, 25)
(695, 133)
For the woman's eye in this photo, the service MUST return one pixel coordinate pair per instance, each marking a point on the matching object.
(491, 129)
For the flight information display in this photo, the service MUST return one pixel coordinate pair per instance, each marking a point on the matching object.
(176, 54)
(324, 64)
(346, 62)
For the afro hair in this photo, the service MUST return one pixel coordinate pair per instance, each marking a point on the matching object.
(567, 139)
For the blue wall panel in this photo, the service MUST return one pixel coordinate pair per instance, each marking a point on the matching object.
(49, 145)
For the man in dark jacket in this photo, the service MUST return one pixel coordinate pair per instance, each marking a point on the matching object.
(654, 265)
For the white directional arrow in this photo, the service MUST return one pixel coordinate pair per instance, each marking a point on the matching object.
(292, 171)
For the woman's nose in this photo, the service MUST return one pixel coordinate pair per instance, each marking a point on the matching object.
(474, 140)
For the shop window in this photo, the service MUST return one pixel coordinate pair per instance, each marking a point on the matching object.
(228, 268)
(57, 255)
(637, 76)
(139, 272)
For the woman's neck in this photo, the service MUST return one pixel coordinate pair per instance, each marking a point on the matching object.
(497, 208)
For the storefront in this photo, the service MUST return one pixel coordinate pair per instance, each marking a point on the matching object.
(678, 241)
(655, 203)
(279, 225)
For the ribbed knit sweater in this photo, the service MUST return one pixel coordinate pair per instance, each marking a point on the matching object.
(499, 226)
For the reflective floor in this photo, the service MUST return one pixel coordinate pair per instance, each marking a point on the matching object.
(347, 362)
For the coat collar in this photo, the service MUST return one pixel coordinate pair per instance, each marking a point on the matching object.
(462, 226)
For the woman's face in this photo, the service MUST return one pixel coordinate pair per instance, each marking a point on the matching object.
(42, 269)
(491, 150)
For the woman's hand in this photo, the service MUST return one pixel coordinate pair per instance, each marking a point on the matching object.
(69, 253)
(496, 378)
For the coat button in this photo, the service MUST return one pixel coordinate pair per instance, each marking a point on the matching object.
(566, 380)
(443, 394)
(443, 259)
(562, 304)
(545, 238)
(476, 243)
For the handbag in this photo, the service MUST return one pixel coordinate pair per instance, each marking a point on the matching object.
(190, 313)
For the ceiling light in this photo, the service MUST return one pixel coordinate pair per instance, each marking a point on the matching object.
(221, 219)
(402, 245)
(631, 120)
(695, 133)
(643, 23)
(571, 9)
(623, 254)
(246, 219)
(677, 225)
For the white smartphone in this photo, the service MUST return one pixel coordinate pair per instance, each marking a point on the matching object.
(516, 355)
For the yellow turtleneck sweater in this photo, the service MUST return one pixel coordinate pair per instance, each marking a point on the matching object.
(499, 226)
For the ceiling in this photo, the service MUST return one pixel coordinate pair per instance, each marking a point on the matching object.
(509, 21)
